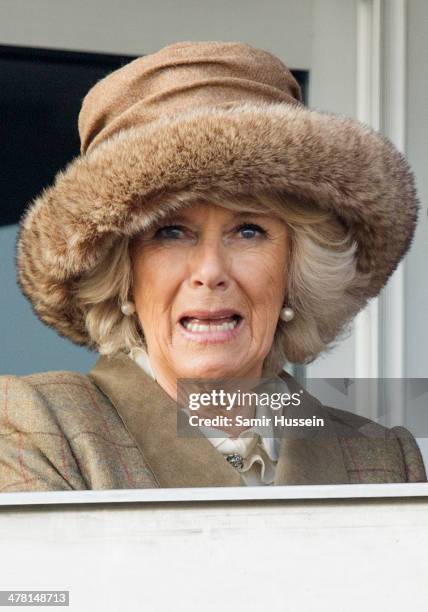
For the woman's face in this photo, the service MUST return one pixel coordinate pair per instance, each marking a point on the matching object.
(209, 284)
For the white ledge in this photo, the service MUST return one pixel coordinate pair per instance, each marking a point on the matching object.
(215, 494)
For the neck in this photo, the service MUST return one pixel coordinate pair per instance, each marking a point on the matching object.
(168, 380)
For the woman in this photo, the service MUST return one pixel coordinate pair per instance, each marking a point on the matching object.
(212, 228)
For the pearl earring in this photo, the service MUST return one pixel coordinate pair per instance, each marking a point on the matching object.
(128, 308)
(286, 313)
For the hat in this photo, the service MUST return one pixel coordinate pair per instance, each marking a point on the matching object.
(206, 116)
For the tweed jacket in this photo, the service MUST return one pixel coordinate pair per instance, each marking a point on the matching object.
(116, 428)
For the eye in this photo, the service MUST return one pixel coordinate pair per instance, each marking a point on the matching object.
(169, 232)
(250, 230)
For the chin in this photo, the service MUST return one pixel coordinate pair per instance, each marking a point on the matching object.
(210, 370)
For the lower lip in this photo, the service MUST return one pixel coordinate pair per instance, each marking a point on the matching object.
(223, 335)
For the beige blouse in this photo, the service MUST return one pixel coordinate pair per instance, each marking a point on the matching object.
(259, 453)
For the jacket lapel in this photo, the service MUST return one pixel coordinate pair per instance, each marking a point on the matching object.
(150, 416)
(309, 456)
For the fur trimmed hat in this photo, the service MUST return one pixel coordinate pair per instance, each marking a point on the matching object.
(207, 116)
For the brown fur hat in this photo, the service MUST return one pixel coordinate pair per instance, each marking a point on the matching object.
(206, 116)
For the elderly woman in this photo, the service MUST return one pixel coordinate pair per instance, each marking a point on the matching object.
(212, 228)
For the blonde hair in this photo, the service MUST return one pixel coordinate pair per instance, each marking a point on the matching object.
(324, 287)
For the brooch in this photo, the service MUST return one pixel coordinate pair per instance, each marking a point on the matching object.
(236, 461)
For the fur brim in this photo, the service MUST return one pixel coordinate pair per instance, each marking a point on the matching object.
(342, 165)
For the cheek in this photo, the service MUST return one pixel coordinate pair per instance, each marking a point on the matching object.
(264, 276)
(156, 276)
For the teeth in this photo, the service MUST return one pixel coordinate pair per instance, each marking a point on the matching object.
(198, 327)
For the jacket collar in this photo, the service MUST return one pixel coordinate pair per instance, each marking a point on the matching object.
(150, 416)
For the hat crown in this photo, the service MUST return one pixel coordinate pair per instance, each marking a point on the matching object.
(181, 77)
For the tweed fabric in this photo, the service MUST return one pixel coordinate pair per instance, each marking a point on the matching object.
(115, 428)
(206, 116)
(58, 432)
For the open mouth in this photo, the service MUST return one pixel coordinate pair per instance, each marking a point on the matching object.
(210, 325)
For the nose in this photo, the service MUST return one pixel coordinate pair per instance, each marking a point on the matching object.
(209, 265)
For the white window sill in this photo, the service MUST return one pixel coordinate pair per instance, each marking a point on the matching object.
(296, 492)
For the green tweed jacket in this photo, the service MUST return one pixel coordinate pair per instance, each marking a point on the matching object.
(116, 428)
